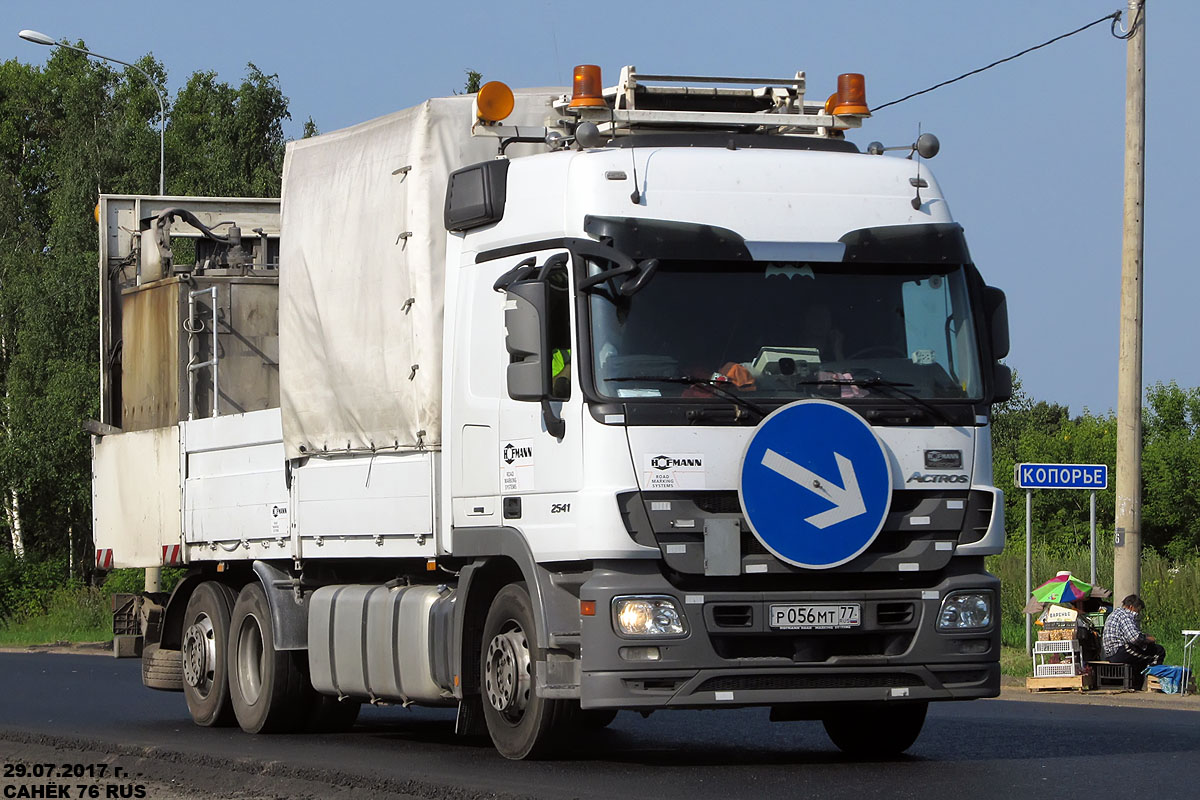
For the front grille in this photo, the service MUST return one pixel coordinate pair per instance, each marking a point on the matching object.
(882, 680)
(922, 527)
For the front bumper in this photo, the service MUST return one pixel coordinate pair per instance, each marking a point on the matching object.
(730, 657)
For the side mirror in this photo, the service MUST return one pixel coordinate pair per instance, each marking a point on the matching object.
(527, 341)
(995, 306)
(636, 282)
(1002, 384)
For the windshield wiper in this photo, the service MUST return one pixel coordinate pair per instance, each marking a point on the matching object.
(717, 388)
(896, 387)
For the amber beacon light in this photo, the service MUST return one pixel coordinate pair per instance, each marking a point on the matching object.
(588, 91)
(495, 101)
(851, 97)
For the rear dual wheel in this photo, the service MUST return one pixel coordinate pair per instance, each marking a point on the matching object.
(231, 671)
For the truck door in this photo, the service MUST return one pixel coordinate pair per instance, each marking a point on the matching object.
(540, 447)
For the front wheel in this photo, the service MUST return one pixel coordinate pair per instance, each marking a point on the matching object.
(877, 731)
(521, 723)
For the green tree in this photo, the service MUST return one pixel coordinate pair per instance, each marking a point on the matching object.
(474, 81)
(1025, 430)
(1171, 470)
(223, 141)
(70, 131)
(1014, 423)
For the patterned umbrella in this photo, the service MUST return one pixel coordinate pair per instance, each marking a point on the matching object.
(1062, 588)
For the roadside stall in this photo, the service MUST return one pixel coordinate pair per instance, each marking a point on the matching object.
(1067, 654)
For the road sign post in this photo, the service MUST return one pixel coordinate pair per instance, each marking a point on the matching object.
(1056, 476)
(1028, 566)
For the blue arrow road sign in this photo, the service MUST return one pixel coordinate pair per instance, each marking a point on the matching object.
(1061, 476)
(815, 484)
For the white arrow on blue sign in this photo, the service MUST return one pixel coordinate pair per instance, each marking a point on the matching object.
(815, 484)
(1061, 476)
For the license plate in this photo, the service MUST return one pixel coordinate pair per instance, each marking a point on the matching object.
(812, 617)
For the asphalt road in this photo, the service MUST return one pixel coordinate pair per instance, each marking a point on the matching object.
(88, 705)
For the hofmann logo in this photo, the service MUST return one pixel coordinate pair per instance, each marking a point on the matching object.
(671, 462)
(512, 453)
(918, 477)
(943, 459)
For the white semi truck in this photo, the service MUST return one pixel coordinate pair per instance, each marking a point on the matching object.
(546, 405)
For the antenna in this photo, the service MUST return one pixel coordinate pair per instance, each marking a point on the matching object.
(635, 195)
(917, 183)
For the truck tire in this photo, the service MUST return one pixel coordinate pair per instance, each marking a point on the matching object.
(269, 689)
(204, 639)
(877, 731)
(521, 723)
(162, 669)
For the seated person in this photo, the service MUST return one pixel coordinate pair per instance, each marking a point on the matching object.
(1124, 642)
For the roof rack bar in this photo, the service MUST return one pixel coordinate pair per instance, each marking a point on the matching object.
(792, 81)
(621, 117)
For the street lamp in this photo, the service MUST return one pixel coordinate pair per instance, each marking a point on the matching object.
(41, 38)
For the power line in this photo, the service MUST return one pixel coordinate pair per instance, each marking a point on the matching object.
(1115, 17)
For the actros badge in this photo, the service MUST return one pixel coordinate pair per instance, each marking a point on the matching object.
(815, 484)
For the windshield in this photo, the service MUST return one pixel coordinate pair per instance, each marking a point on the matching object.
(788, 330)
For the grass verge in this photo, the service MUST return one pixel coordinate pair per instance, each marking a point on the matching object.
(1016, 662)
(73, 614)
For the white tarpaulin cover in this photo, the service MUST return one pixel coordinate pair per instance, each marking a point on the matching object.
(362, 262)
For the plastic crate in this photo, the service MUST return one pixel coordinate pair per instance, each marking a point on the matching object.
(1061, 646)
(1054, 670)
(1112, 676)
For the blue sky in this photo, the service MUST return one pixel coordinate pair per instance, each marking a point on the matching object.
(1031, 157)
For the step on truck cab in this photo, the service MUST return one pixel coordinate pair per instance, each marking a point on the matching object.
(544, 406)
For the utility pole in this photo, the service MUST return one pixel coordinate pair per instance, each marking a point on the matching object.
(1127, 559)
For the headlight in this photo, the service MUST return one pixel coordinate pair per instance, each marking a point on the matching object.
(647, 616)
(966, 611)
